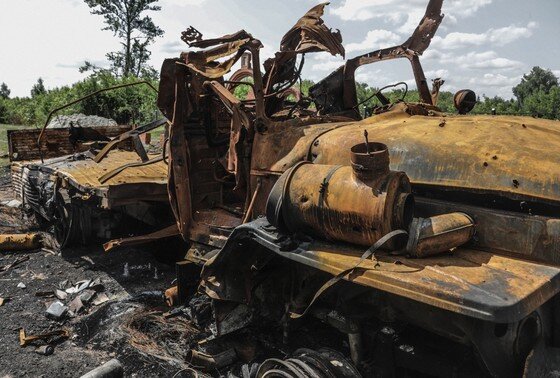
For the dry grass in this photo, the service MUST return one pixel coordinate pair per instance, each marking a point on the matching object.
(154, 336)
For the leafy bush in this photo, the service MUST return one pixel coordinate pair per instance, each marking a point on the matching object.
(137, 104)
(134, 105)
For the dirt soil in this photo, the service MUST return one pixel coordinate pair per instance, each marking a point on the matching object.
(97, 334)
(134, 325)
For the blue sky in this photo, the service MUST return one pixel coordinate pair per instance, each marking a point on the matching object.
(484, 45)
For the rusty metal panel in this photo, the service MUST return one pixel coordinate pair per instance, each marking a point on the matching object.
(22, 144)
(526, 236)
(484, 154)
(479, 284)
(85, 173)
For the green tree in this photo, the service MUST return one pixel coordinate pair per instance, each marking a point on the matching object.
(536, 80)
(136, 31)
(241, 91)
(4, 91)
(38, 88)
(543, 104)
(304, 86)
(489, 104)
(4, 113)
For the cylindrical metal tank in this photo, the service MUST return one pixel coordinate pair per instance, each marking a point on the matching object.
(440, 233)
(358, 204)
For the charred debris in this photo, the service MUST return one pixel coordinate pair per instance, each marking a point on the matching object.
(313, 242)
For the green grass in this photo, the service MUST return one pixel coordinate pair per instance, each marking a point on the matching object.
(156, 133)
(4, 141)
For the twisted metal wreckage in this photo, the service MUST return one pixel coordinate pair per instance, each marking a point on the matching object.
(278, 198)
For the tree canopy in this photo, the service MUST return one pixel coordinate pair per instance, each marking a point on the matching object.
(138, 104)
(38, 88)
(4, 91)
(538, 80)
(135, 30)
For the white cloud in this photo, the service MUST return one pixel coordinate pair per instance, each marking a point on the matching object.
(464, 8)
(326, 66)
(496, 37)
(473, 60)
(556, 73)
(405, 14)
(323, 62)
(361, 10)
(495, 63)
(369, 76)
(437, 55)
(433, 74)
(173, 47)
(495, 80)
(375, 39)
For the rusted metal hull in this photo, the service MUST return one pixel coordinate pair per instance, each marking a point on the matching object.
(496, 304)
(149, 182)
(480, 154)
(479, 284)
(67, 192)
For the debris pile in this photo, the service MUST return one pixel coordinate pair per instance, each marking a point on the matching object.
(80, 120)
(77, 297)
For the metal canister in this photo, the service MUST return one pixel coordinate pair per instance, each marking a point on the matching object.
(45, 350)
(438, 234)
(20, 242)
(358, 204)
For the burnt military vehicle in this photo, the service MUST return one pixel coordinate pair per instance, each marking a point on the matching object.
(430, 241)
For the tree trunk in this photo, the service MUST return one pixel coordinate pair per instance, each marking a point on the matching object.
(127, 59)
(128, 51)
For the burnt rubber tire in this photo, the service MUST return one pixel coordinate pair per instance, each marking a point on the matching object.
(65, 228)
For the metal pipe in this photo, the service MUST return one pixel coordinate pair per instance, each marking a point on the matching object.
(111, 369)
(252, 203)
(356, 350)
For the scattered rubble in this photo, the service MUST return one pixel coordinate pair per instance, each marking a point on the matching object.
(80, 120)
(100, 299)
(56, 310)
(62, 295)
(17, 261)
(15, 204)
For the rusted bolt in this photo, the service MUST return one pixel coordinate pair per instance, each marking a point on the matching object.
(485, 164)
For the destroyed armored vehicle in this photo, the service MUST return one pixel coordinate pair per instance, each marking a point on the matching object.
(428, 243)
(280, 200)
(80, 187)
